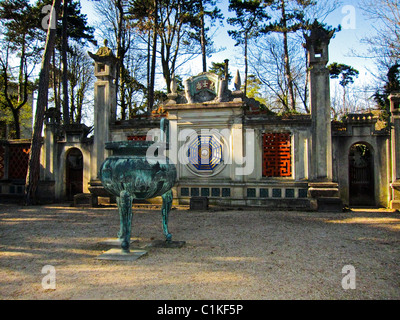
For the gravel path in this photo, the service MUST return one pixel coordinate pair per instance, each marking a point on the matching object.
(231, 254)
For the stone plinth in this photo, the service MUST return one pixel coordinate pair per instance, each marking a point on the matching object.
(325, 196)
(117, 255)
(198, 203)
(395, 202)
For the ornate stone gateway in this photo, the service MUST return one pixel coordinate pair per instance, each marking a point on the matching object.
(361, 177)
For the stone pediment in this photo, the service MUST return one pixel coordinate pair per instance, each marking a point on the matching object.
(204, 87)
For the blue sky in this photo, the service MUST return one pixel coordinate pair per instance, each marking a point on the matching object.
(350, 39)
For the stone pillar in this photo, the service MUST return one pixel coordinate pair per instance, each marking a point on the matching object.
(49, 151)
(395, 149)
(49, 157)
(104, 113)
(322, 190)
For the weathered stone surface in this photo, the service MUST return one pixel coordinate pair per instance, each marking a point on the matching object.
(118, 255)
(198, 203)
(83, 200)
(323, 192)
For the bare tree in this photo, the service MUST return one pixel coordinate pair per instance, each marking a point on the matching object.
(80, 78)
(282, 65)
(115, 25)
(176, 48)
(385, 15)
(268, 64)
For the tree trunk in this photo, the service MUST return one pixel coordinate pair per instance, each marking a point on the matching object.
(153, 57)
(166, 70)
(79, 105)
(148, 70)
(245, 65)
(55, 83)
(72, 106)
(17, 126)
(65, 62)
(203, 38)
(21, 72)
(287, 61)
(33, 175)
(121, 57)
(306, 85)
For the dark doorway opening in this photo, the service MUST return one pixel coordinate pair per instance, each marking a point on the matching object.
(74, 173)
(361, 176)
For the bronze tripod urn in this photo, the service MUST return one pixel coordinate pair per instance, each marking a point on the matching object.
(134, 173)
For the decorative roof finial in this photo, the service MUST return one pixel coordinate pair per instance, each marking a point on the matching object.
(238, 82)
(173, 85)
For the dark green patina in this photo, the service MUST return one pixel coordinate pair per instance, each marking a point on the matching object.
(131, 174)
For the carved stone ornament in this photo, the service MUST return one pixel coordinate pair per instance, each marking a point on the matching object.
(103, 54)
(202, 88)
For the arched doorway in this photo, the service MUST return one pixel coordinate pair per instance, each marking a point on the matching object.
(74, 173)
(361, 175)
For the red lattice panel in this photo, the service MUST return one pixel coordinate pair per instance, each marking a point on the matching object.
(1, 162)
(18, 161)
(137, 138)
(277, 157)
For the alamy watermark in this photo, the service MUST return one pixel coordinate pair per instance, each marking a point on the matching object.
(349, 19)
(49, 280)
(349, 280)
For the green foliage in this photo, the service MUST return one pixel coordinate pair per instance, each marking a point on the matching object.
(196, 19)
(19, 46)
(20, 20)
(392, 84)
(285, 113)
(219, 69)
(291, 15)
(253, 89)
(25, 112)
(78, 28)
(250, 19)
(160, 97)
(345, 72)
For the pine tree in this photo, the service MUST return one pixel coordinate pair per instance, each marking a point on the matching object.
(345, 73)
(204, 10)
(250, 19)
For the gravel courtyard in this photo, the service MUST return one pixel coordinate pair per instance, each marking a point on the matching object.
(229, 254)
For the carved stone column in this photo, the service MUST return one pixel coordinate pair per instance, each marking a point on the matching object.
(322, 190)
(105, 102)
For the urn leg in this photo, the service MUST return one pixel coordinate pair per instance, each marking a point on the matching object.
(166, 207)
(125, 214)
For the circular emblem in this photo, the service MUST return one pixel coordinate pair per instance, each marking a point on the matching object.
(205, 154)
